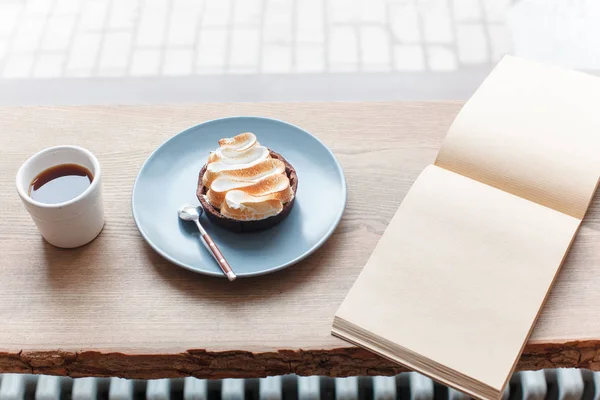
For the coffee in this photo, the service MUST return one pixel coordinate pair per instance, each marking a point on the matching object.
(60, 183)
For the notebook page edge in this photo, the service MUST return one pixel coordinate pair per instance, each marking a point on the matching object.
(485, 392)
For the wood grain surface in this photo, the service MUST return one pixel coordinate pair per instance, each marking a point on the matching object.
(116, 308)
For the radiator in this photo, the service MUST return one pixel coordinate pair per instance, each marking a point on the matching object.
(560, 384)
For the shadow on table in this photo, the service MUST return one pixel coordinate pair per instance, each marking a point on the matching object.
(256, 288)
(86, 267)
(69, 268)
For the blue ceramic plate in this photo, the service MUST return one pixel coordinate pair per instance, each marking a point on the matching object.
(169, 179)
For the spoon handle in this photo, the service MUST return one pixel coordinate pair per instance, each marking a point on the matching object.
(218, 256)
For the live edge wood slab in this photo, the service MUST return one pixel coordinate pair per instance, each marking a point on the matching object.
(116, 308)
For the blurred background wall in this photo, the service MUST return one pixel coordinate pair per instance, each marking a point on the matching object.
(132, 51)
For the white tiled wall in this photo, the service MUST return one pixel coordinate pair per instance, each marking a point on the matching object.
(116, 38)
(132, 51)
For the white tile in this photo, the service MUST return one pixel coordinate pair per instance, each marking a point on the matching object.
(123, 14)
(441, 58)
(310, 25)
(29, 34)
(83, 55)
(114, 55)
(409, 57)
(500, 43)
(47, 388)
(276, 59)
(232, 389)
(472, 43)
(343, 11)
(18, 66)
(217, 13)
(157, 4)
(211, 51)
(421, 387)
(68, 7)
(310, 58)
(49, 66)
(151, 29)
(431, 6)
(278, 34)
(158, 389)
(437, 28)
(247, 13)
(85, 389)
(384, 388)
(277, 13)
(270, 388)
(309, 387)
(58, 33)
(37, 7)
(375, 49)
(308, 33)
(310, 12)
(145, 62)
(9, 13)
(178, 62)
(92, 16)
(120, 389)
(343, 49)
(495, 10)
(467, 11)
(569, 383)
(373, 11)
(346, 388)
(13, 386)
(286, 4)
(278, 22)
(193, 7)
(182, 29)
(404, 22)
(151, 33)
(533, 384)
(195, 389)
(244, 52)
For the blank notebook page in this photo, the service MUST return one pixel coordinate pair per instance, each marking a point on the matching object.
(460, 274)
(533, 131)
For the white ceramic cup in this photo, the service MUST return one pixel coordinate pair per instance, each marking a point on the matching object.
(72, 223)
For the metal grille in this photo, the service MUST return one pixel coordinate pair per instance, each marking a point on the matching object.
(561, 384)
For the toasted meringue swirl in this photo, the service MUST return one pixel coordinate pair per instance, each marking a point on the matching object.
(244, 182)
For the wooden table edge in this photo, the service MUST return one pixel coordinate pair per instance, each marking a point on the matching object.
(336, 362)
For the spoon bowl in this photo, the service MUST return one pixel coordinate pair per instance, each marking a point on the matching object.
(193, 213)
(190, 213)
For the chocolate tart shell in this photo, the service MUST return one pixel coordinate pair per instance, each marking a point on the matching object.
(248, 226)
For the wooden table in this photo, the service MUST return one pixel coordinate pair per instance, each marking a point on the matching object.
(116, 308)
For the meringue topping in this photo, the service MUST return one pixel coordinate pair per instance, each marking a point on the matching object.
(244, 182)
(242, 206)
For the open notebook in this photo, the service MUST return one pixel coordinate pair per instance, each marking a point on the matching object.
(457, 281)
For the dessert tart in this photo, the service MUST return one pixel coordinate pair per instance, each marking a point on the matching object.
(246, 187)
